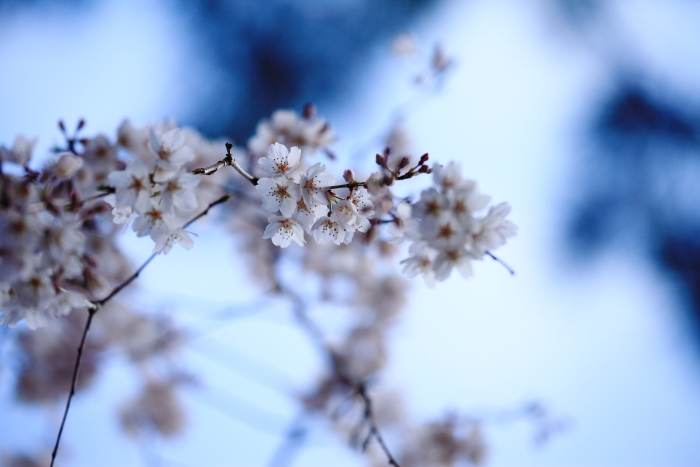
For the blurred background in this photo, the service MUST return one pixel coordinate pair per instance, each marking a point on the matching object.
(584, 115)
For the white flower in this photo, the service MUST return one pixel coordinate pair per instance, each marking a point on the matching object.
(133, 186)
(288, 128)
(449, 177)
(363, 203)
(65, 301)
(283, 231)
(68, 164)
(345, 213)
(21, 150)
(493, 230)
(120, 215)
(313, 184)
(421, 262)
(279, 194)
(178, 192)
(403, 226)
(59, 242)
(375, 184)
(448, 234)
(306, 216)
(170, 151)
(281, 162)
(430, 210)
(466, 200)
(446, 259)
(152, 223)
(165, 239)
(327, 229)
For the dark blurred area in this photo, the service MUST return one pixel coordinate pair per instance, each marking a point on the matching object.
(642, 158)
(277, 53)
(644, 183)
(282, 54)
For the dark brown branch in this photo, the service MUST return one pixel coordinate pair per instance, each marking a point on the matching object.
(91, 313)
(74, 380)
(350, 185)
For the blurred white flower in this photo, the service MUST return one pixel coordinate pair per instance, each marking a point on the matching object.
(133, 186)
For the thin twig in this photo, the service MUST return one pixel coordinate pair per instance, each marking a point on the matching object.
(227, 160)
(501, 262)
(91, 313)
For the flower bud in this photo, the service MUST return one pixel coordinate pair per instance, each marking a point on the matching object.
(349, 175)
(381, 161)
(67, 165)
(309, 111)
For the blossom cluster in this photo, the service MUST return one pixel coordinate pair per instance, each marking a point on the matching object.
(448, 227)
(307, 202)
(41, 243)
(156, 190)
(308, 132)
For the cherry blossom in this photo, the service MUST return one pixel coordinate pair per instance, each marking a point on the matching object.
(283, 231)
(328, 229)
(133, 186)
(281, 161)
(313, 183)
(279, 194)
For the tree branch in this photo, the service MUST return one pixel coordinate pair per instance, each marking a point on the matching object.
(373, 428)
(359, 388)
(95, 308)
(74, 380)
